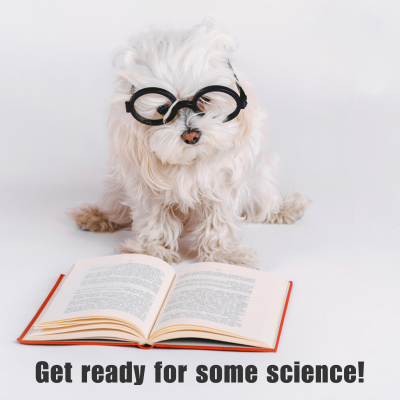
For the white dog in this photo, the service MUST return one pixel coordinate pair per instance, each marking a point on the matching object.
(193, 173)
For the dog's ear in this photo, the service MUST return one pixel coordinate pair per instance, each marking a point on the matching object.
(245, 126)
(129, 145)
(150, 166)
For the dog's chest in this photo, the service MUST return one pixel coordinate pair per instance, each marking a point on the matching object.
(192, 187)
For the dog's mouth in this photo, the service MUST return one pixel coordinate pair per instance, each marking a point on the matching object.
(191, 136)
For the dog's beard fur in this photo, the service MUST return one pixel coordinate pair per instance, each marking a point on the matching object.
(165, 188)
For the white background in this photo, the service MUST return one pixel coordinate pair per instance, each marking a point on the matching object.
(327, 73)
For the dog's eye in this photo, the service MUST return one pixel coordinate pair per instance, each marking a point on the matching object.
(203, 102)
(163, 109)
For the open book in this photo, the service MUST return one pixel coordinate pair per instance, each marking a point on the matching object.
(135, 299)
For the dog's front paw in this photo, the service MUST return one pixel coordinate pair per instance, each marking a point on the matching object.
(292, 208)
(239, 255)
(89, 217)
(152, 249)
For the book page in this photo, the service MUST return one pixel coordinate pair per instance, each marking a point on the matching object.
(131, 287)
(225, 298)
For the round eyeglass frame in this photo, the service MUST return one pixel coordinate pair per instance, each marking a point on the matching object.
(241, 103)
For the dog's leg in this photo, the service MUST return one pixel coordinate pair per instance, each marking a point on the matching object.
(291, 208)
(155, 233)
(217, 238)
(109, 215)
(275, 209)
(263, 202)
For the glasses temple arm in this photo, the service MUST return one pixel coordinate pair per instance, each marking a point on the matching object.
(242, 94)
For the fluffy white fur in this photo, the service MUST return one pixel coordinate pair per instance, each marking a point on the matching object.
(166, 189)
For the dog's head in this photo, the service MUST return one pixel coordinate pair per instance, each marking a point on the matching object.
(182, 63)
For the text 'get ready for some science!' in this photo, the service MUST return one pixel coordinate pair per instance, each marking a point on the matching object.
(136, 374)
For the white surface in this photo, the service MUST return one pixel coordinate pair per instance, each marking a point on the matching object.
(327, 72)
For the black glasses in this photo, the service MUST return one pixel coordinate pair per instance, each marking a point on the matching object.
(220, 101)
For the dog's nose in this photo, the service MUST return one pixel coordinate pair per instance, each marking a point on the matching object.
(191, 137)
